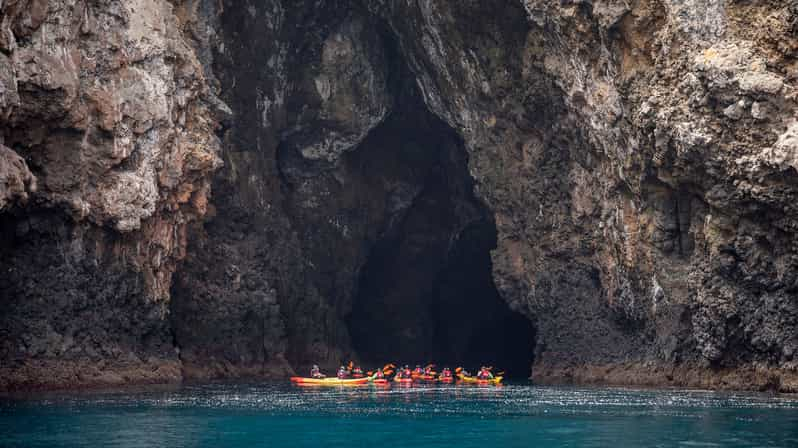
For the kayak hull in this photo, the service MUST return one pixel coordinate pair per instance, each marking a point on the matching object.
(302, 381)
(471, 380)
(428, 378)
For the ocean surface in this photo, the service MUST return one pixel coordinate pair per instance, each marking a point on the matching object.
(515, 415)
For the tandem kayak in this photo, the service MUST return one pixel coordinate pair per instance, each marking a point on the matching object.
(474, 380)
(302, 381)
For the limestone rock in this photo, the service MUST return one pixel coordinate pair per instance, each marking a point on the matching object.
(16, 180)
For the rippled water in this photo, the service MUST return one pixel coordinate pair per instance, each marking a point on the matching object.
(224, 415)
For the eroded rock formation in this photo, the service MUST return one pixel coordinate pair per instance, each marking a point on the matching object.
(636, 162)
(107, 115)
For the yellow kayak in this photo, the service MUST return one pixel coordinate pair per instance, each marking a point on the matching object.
(302, 381)
(475, 380)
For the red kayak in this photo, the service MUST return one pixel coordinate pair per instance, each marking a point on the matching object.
(446, 379)
(402, 380)
(301, 381)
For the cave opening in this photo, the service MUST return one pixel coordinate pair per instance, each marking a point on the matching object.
(425, 292)
(395, 246)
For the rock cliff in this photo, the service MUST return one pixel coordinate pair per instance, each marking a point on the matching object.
(204, 189)
(108, 147)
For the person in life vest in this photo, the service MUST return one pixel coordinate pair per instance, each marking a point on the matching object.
(343, 373)
(405, 372)
(484, 374)
(428, 370)
(316, 373)
(357, 372)
(418, 370)
(379, 375)
(446, 373)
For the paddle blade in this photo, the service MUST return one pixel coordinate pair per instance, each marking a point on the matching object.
(458, 370)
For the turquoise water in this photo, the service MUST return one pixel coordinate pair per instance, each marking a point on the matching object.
(224, 415)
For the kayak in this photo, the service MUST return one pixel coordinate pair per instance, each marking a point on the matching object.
(445, 379)
(425, 378)
(474, 380)
(402, 380)
(302, 381)
(380, 382)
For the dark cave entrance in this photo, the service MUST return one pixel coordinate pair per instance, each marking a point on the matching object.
(410, 277)
(426, 292)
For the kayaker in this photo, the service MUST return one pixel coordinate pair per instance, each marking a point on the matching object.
(343, 373)
(484, 374)
(446, 373)
(379, 375)
(357, 372)
(316, 373)
(418, 370)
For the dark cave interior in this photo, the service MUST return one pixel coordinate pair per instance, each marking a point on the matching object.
(426, 292)
(395, 246)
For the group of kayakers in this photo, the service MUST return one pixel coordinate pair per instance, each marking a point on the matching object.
(406, 374)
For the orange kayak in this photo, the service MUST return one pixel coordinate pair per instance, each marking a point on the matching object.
(302, 381)
(402, 380)
(425, 378)
(446, 379)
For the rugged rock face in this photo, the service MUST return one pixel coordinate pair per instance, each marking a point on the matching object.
(630, 166)
(108, 147)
